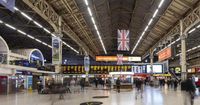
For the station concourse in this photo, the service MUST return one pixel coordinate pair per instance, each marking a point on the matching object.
(99, 52)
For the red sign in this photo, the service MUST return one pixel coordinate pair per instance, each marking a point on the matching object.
(197, 70)
(165, 54)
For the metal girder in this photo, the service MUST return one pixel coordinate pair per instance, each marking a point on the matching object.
(72, 7)
(176, 14)
(184, 3)
(191, 19)
(173, 31)
(188, 22)
(48, 13)
(165, 21)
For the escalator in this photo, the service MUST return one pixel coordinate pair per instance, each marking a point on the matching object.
(173, 74)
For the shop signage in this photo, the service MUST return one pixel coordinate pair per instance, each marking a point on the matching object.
(56, 50)
(38, 74)
(165, 54)
(191, 70)
(9, 4)
(162, 75)
(115, 58)
(177, 70)
(197, 70)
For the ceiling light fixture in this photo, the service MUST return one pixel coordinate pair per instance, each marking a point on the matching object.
(143, 33)
(20, 31)
(1, 21)
(39, 25)
(93, 21)
(192, 30)
(30, 36)
(86, 2)
(26, 16)
(198, 26)
(36, 23)
(89, 10)
(9, 26)
(38, 40)
(194, 48)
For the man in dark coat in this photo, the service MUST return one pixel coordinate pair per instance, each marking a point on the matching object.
(118, 85)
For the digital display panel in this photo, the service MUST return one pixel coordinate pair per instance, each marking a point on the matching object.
(156, 69)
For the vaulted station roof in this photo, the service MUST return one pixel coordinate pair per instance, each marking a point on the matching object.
(80, 32)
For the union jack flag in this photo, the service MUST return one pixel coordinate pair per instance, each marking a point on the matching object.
(123, 40)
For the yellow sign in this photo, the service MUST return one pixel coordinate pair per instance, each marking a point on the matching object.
(162, 75)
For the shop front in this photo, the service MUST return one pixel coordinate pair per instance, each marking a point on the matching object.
(126, 79)
(23, 80)
(3, 84)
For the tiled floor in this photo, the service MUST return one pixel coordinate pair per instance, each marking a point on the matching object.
(152, 96)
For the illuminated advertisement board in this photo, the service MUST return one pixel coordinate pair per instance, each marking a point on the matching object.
(165, 54)
(114, 58)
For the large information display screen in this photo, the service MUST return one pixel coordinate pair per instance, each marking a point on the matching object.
(156, 69)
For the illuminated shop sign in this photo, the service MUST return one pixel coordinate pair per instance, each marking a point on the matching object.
(165, 54)
(114, 58)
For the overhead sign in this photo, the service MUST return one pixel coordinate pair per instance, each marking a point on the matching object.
(165, 54)
(56, 50)
(114, 58)
(9, 4)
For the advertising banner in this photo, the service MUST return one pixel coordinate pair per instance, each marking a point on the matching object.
(9, 4)
(56, 50)
(165, 54)
(87, 63)
(115, 58)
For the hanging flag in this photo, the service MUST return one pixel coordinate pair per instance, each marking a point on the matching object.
(119, 59)
(123, 40)
(9, 4)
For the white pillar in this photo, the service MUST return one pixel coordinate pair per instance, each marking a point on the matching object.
(183, 52)
(151, 62)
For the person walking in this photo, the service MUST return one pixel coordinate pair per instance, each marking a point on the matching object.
(175, 84)
(139, 87)
(189, 89)
(168, 83)
(82, 83)
(118, 85)
(96, 82)
(109, 84)
(72, 85)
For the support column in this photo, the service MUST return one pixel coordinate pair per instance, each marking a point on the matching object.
(151, 63)
(87, 66)
(57, 52)
(183, 53)
(151, 60)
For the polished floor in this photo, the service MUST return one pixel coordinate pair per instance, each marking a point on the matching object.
(151, 96)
